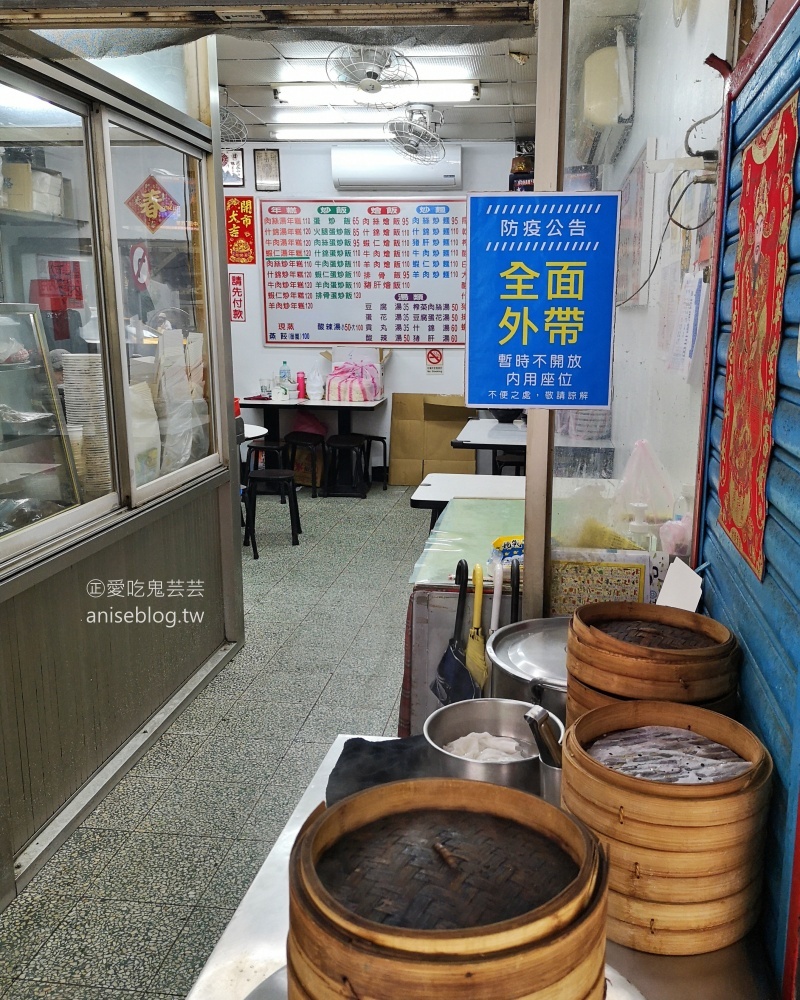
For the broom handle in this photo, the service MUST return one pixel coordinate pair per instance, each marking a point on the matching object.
(477, 583)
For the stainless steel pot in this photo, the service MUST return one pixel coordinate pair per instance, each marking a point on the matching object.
(498, 716)
(529, 663)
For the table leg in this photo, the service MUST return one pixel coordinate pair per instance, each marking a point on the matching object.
(344, 419)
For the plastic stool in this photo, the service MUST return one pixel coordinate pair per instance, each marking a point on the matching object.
(367, 468)
(283, 479)
(346, 480)
(311, 441)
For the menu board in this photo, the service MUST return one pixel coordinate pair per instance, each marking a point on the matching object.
(365, 271)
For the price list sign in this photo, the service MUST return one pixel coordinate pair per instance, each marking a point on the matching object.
(389, 272)
(542, 271)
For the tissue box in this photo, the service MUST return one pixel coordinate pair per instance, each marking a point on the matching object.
(30, 190)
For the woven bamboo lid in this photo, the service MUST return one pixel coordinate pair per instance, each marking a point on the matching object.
(444, 869)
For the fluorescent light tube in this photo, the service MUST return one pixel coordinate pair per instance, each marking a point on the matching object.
(332, 133)
(430, 91)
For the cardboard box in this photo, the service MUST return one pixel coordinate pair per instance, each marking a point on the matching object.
(422, 428)
(30, 190)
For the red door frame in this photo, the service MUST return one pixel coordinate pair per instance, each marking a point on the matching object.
(768, 33)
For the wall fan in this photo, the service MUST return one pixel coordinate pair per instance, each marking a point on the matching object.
(375, 75)
(414, 136)
(232, 130)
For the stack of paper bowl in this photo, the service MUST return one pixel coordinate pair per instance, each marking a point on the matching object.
(685, 859)
(85, 404)
(618, 651)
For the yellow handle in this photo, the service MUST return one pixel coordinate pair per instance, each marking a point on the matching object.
(477, 583)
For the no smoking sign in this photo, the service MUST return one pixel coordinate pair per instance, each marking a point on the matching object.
(434, 361)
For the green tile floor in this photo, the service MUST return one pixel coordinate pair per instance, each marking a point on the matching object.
(133, 903)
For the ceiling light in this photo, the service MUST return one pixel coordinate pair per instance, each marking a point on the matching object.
(427, 91)
(327, 132)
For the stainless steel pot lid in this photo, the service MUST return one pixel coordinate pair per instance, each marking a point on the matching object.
(533, 650)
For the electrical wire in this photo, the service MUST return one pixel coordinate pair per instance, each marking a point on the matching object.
(691, 128)
(680, 225)
(664, 233)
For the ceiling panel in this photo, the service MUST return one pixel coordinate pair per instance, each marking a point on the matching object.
(248, 67)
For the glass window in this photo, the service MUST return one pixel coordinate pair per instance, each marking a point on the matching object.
(54, 432)
(630, 472)
(156, 209)
(159, 67)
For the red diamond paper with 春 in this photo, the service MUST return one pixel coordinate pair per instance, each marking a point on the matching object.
(152, 204)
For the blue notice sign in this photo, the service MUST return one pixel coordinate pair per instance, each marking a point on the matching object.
(540, 312)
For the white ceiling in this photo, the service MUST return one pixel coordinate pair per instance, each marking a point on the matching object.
(506, 111)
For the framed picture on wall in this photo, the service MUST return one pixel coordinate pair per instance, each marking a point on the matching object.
(635, 230)
(268, 169)
(233, 167)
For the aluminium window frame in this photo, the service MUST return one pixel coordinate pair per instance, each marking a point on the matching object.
(85, 89)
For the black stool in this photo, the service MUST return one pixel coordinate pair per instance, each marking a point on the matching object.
(311, 441)
(257, 451)
(345, 472)
(283, 479)
(368, 448)
(511, 459)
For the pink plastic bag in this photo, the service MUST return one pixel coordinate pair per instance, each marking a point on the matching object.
(644, 481)
(353, 382)
(309, 424)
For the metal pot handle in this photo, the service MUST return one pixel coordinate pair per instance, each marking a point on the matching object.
(537, 692)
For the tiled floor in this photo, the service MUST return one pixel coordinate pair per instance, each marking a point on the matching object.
(132, 904)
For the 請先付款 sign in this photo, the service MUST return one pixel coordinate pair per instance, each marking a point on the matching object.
(540, 299)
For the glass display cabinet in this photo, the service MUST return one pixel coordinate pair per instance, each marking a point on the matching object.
(38, 472)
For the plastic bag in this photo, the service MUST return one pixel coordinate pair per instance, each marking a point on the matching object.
(676, 536)
(145, 435)
(309, 424)
(644, 481)
(315, 386)
(353, 382)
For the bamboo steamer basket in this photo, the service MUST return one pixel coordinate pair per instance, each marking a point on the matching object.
(581, 698)
(629, 650)
(553, 952)
(685, 861)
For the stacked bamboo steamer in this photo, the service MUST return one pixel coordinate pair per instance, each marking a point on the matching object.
(338, 948)
(619, 651)
(685, 860)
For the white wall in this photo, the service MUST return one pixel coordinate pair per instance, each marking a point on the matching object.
(673, 89)
(306, 171)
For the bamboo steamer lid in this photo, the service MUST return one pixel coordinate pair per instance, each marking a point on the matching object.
(685, 860)
(668, 634)
(552, 952)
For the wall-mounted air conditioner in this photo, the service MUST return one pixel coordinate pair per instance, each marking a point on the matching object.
(608, 98)
(364, 166)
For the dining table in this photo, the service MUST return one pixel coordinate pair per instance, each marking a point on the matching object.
(343, 408)
(572, 456)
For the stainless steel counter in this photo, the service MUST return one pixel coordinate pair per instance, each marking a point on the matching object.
(248, 960)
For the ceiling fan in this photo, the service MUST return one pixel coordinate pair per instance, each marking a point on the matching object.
(414, 136)
(232, 130)
(375, 75)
